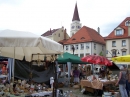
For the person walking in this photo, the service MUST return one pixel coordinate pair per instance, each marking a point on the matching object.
(128, 81)
(76, 74)
(122, 82)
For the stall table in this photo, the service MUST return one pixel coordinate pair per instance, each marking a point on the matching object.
(94, 86)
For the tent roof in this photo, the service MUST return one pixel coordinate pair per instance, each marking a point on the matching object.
(67, 57)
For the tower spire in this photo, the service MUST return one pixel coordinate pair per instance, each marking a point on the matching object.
(76, 14)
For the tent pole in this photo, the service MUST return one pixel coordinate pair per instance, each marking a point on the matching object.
(56, 77)
(69, 71)
(13, 66)
(31, 68)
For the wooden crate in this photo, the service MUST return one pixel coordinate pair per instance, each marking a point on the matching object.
(88, 89)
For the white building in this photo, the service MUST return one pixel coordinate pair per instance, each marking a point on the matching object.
(118, 41)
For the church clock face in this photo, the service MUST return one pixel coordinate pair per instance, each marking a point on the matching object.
(72, 27)
(79, 27)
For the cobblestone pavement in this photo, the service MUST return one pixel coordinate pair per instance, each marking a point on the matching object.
(76, 92)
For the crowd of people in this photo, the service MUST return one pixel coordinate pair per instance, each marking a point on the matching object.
(82, 72)
(123, 81)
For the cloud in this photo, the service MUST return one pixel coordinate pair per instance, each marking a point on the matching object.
(38, 16)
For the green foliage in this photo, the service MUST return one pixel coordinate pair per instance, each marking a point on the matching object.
(101, 54)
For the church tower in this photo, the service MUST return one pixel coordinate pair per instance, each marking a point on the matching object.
(75, 25)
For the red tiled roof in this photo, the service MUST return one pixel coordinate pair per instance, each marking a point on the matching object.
(122, 25)
(85, 34)
(50, 32)
(62, 41)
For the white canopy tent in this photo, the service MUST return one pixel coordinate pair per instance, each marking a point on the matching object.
(20, 44)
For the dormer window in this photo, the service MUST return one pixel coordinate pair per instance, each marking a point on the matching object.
(119, 32)
(73, 39)
(127, 23)
(82, 38)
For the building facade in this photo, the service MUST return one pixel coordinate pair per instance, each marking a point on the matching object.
(56, 34)
(118, 41)
(86, 41)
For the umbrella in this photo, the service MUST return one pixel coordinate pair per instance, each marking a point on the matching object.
(114, 67)
(20, 44)
(95, 59)
(122, 59)
(67, 57)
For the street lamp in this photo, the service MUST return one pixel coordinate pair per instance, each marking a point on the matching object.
(114, 52)
(73, 49)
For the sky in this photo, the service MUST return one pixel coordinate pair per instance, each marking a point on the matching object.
(38, 16)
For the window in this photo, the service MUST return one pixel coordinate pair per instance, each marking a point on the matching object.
(76, 46)
(59, 35)
(66, 47)
(87, 54)
(127, 23)
(123, 42)
(119, 32)
(123, 53)
(113, 43)
(82, 46)
(102, 48)
(76, 54)
(81, 55)
(94, 46)
(87, 45)
(113, 53)
(82, 38)
(73, 39)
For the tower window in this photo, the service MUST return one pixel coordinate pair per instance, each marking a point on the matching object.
(59, 35)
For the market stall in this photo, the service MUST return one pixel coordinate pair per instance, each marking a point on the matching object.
(20, 45)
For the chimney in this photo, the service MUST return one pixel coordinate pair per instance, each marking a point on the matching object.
(50, 30)
(129, 28)
(98, 30)
(65, 34)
